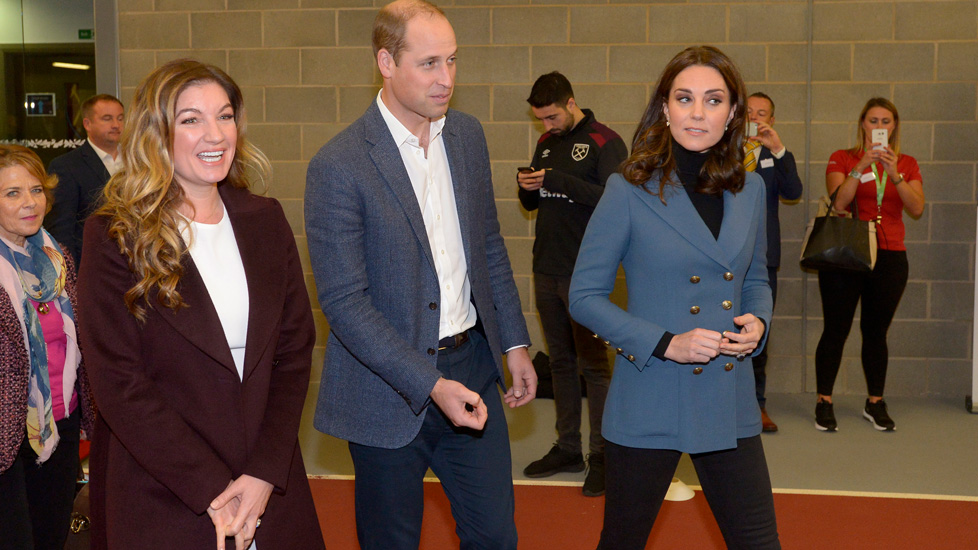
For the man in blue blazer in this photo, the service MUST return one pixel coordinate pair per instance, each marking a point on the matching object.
(414, 279)
(776, 165)
(82, 173)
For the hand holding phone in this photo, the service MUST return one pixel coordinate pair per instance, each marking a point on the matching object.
(751, 129)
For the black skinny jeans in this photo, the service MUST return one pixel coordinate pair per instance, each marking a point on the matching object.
(880, 291)
(735, 482)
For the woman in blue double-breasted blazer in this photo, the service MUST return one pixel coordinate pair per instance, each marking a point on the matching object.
(688, 227)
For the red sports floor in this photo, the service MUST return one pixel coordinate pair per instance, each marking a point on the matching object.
(558, 517)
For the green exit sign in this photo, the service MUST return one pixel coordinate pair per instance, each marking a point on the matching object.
(85, 34)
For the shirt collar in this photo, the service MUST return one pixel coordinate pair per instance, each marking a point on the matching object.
(106, 157)
(400, 133)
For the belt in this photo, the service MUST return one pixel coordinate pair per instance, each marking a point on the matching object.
(451, 342)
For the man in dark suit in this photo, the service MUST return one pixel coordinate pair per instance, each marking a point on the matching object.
(414, 279)
(82, 173)
(765, 154)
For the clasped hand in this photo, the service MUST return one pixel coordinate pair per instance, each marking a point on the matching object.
(237, 510)
(701, 345)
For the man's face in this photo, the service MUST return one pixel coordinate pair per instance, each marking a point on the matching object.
(422, 80)
(556, 119)
(760, 110)
(104, 126)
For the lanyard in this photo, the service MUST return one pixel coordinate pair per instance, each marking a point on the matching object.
(880, 190)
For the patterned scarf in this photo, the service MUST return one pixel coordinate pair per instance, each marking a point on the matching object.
(42, 273)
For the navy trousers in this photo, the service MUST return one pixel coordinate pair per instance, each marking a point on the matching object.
(474, 467)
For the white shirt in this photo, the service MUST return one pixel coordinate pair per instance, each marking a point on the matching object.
(111, 164)
(431, 178)
(215, 253)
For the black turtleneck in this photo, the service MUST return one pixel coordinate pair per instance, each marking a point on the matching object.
(688, 167)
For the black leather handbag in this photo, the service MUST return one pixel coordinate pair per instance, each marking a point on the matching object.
(839, 240)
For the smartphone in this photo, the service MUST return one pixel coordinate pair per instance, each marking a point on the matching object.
(525, 169)
(880, 136)
(751, 129)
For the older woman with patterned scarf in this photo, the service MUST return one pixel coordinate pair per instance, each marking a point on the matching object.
(43, 389)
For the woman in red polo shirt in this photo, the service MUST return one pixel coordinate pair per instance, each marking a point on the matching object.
(884, 183)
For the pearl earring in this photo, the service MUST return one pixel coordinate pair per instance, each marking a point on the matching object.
(667, 122)
(726, 127)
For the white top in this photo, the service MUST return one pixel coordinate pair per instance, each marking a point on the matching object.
(215, 253)
(431, 178)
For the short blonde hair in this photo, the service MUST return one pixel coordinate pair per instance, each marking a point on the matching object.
(390, 25)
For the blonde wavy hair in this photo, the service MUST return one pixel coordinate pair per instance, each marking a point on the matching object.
(141, 200)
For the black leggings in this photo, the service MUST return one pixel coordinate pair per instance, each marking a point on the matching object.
(880, 291)
(735, 482)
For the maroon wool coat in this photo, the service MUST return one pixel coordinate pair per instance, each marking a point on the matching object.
(15, 369)
(176, 424)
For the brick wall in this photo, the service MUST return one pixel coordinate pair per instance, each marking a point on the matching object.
(305, 67)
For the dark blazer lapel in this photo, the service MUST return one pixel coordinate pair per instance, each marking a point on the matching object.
(680, 213)
(94, 163)
(387, 159)
(199, 322)
(261, 266)
(456, 164)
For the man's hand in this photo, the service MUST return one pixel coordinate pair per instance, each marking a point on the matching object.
(768, 137)
(530, 181)
(463, 407)
(524, 387)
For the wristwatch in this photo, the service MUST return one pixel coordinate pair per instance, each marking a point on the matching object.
(855, 174)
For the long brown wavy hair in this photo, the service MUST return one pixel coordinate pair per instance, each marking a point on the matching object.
(141, 201)
(652, 143)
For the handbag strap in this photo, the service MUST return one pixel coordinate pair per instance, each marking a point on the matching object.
(854, 204)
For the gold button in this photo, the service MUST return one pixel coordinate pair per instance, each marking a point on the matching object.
(596, 336)
(728, 367)
(694, 279)
(694, 310)
(698, 370)
(631, 358)
(726, 304)
(607, 342)
(728, 276)
(618, 350)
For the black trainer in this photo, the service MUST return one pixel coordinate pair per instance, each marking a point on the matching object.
(555, 461)
(876, 413)
(594, 481)
(825, 417)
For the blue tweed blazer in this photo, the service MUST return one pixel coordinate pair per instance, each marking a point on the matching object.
(679, 277)
(376, 281)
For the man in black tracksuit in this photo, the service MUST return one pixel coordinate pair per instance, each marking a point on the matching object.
(573, 159)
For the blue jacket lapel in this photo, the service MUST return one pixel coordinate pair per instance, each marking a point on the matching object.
(682, 216)
(387, 159)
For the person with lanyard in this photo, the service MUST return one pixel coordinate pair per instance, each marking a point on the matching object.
(884, 183)
(44, 396)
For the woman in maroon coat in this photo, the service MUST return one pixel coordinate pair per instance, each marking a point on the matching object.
(201, 333)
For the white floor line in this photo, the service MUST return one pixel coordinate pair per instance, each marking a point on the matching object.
(820, 492)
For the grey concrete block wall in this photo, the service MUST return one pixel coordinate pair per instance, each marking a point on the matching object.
(306, 70)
